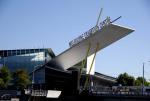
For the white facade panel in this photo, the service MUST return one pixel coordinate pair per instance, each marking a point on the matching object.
(89, 64)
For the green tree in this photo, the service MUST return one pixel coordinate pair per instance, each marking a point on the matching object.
(5, 76)
(21, 79)
(126, 80)
(139, 82)
(1, 83)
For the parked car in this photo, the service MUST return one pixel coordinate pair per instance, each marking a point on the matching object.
(6, 96)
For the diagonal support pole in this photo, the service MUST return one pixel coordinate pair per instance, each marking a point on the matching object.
(88, 76)
(84, 61)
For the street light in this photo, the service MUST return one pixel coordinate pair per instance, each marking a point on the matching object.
(149, 61)
(33, 74)
(143, 78)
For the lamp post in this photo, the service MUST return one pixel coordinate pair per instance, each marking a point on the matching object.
(143, 80)
(148, 61)
(33, 76)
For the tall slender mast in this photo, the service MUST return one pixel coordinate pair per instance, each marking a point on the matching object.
(99, 16)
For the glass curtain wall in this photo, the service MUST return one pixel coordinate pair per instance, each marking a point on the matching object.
(24, 58)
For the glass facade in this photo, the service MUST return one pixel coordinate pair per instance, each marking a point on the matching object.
(25, 58)
(39, 76)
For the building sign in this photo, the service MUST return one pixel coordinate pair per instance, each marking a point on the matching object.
(90, 32)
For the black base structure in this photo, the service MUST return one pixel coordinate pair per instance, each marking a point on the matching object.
(93, 98)
(52, 79)
(69, 83)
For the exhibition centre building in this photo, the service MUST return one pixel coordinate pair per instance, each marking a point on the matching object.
(71, 70)
(34, 60)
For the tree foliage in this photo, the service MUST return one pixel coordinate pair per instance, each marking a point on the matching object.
(1, 83)
(139, 82)
(5, 77)
(21, 79)
(125, 79)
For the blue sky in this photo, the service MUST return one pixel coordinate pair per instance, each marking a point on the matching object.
(53, 23)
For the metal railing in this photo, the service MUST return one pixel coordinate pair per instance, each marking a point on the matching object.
(118, 90)
(36, 92)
